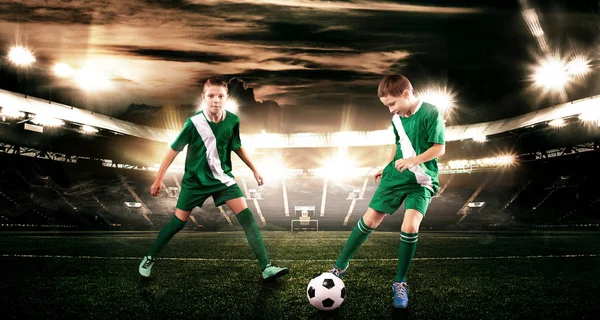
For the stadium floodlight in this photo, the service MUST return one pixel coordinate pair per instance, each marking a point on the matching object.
(11, 113)
(63, 70)
(480, 138)
(551, 73)
(92, 80)
(505, 160)
(557, 123)
(88, 129)
(578, 66)
(47, 121)
(21, 56)
(441, 97)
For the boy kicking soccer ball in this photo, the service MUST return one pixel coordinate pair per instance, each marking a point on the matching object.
(210, 135)
(411, 176)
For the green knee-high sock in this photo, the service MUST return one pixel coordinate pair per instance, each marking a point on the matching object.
(359, 234)
(406, 251)
(165, 235)
(254, 238)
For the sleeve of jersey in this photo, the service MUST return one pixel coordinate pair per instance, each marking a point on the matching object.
(184, 136)
(436, 129)
(396, 136)
(236, 142)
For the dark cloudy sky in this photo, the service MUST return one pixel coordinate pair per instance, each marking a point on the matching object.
(319, 60)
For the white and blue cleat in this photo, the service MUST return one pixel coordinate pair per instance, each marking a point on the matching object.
(400, 295)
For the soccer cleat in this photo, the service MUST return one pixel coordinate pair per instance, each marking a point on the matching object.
(272, 272)
(146, 266)
(337, 271)
(400, 295)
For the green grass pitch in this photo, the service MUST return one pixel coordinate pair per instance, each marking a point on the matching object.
(213, 275)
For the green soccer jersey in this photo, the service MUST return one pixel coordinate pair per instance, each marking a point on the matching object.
(208, 159)
(414, 135)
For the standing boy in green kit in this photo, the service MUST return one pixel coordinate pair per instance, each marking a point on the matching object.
(211, 135)
(411, 176)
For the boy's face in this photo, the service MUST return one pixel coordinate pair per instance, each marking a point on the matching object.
(214, 97)
(398, 105)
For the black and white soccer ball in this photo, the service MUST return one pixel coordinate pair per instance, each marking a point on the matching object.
(326, 291)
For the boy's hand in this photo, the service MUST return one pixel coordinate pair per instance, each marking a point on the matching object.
(155, 188)
(403, 164)
(378, 176)
(258, 178)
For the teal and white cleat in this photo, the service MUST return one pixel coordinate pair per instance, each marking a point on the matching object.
(272, 272)
(146, 266)
(338, 272)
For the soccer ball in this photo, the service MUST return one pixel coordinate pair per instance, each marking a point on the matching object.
(326, 291)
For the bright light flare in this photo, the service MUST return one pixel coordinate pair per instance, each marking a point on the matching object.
(45, 120)
(88, 129)
(63, 70)
(504, 160)
(590, 116)
(555, 73)
(172, 136)
(480, 138)
(20, 56)
(557, 123)
(273, 168)
(339, 168)
(441, 97)
(578, 66)
(458, 164)
(92, 80)
(231, 106)
(11, 113)
(551, 73)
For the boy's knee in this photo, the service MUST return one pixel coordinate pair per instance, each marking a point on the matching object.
(182, 215)
(409, 228)
(412, 221)
(373, 218)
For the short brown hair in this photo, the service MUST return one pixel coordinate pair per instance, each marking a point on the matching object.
(215, 81)
(393, 85)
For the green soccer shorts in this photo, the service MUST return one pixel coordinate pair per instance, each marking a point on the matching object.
(388, 200)
(189, 200)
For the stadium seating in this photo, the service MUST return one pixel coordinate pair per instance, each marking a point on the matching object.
(41, 193)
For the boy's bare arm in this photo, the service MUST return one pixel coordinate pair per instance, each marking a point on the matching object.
(379, 173)
(436, 151)
(157, 185)
(393, 154)
(241, 152)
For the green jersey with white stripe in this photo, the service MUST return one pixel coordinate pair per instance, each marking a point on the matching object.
(414, 135)
(208, 158)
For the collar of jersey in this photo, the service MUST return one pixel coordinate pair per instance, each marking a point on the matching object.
(417, 109)
(207, 119)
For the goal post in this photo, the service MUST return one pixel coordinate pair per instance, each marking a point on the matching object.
(304, 225)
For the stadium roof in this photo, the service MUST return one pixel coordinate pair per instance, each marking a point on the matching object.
(35, 106)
